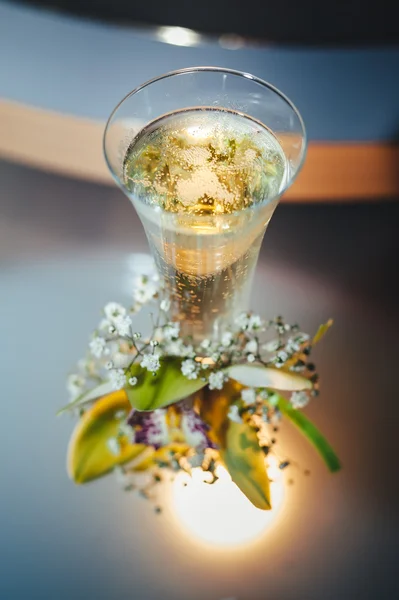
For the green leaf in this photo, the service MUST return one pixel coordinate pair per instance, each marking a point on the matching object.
(101, 390)
(245, 462)
(167, 386)
(309, 430)
(322, 330)
(267, 377)
(89, 456)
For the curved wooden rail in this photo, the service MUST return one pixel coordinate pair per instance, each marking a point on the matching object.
(72, 146)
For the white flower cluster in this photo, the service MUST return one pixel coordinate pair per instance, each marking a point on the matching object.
(248, 396)
(299, 399)
(118, 320)
(117, 378)
(248, 322)
(115, 346)
(216, 380)
(145, 288)
(190, 368)
(151, 362)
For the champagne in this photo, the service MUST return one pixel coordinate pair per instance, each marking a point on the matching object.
(205, 183)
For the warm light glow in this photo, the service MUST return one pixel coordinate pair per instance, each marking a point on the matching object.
(219, 513)
(179, 36)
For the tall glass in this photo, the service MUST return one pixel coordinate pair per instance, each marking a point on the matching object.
(236, 144)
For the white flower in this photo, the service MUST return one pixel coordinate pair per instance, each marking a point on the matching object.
(215, 356)
(109, 365)
(122, 325)
(113, 446)
(174, 348)
(144, 289)
(165, 305)
(251, 358)
(216, 380)
(227, 338)
(248, 396)
(251, 347)
(75, 385)
(113, 310)
(104, 325)
(205, 344)
(234, 414)
(282, 356)
(97, 346)
(242, 321)
(187, 350)
(292, 346)
(299, 399)
(150, 362)
(254, 322)
(117, 378)
(178, 348)
(133, 381)
(272, 346)
(189, 369)
(302, 337)
(171, 331)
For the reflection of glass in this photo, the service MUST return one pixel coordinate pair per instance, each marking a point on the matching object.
(214, 152)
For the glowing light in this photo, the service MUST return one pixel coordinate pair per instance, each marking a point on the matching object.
(179, 36)
(219, 513)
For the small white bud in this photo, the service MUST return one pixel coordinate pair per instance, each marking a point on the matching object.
(165, 305)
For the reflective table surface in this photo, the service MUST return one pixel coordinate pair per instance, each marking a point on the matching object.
(66, 248)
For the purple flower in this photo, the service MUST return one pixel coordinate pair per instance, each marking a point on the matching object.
(150, 428)
(195, 430)
(164, 426)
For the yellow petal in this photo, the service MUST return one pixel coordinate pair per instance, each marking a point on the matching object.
(89, 456)
(150, 459)
(214, 408)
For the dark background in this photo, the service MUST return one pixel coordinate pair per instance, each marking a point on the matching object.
(351, 23)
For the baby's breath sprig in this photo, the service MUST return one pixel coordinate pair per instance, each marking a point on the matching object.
(166, 388)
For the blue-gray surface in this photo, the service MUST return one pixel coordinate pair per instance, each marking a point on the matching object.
(78, 67)
(65, 249)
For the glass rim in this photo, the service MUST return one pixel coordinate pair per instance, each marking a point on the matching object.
(201, 69)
